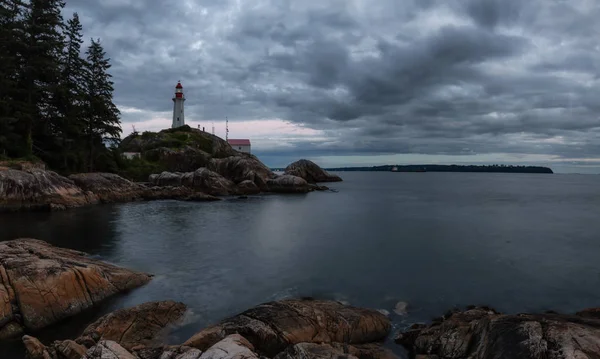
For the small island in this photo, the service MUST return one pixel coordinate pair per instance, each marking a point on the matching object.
(448, 168)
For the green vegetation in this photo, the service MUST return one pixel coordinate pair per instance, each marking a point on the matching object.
(55, 105)
(138, 169)
(174, 149)
(174, 138)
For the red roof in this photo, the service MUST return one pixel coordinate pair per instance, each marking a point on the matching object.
(179, 86)
(239, 142)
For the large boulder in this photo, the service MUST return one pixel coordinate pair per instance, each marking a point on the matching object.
(41, 284)
(166, 179)
(140, 326)
(177, 139)
(36, 189)
(209, 182)
(335, 351)
(202, 179)
(233, 346)
(135, 328)
(272, 327)
(108, 187)
(247, 187)
(288, 184)
(66, 349)
(314, 351)
(479, 333)
(243, 167)
(311, 172)
(108, 349)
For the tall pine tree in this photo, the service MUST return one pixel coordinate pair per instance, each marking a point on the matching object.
(70, 96)
(101, 114)
(41, 73)
(11, 48)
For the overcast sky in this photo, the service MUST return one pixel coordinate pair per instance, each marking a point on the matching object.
(365, 82)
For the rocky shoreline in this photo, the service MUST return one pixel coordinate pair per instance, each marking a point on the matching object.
(29, 187)
(41, 285)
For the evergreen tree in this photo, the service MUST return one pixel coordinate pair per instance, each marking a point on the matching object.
(41, 73)
(11, 48)
(70, 94)
(101, 114)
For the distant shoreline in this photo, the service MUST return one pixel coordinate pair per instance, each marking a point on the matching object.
(447, 168)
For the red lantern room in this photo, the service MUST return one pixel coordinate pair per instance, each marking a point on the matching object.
(179, 90)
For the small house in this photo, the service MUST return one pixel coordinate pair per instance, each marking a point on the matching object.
(131, 155)
(242, 145)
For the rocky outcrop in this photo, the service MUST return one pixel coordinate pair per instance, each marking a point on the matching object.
(66, 349)
(136, 328)
(178, 138)
(200, 180)
(36, 189)
(210, 182)
(304, 328)
(484, 333)
(41, 284)
(272, 327)
(247, 187)
(288, 184)
(169, 352)
(107, 349)
(233, 346)
(141, 326)
(108, 187)
(46, 190)
(311, 172)
(243, 167)
(335, 351)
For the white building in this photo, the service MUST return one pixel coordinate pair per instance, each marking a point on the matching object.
(131, 155)
(178, 115)
(242, 145)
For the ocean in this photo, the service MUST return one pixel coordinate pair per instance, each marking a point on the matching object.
(516, 242)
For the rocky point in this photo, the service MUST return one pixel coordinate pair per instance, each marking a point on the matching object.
(41, 284)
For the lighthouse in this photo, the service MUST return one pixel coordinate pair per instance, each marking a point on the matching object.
(178, 116)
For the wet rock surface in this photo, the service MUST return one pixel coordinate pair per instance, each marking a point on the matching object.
(108, 187)
(335, 351)
(288, 184)
(272, 327)
(484, 333)
(136, 328)
(140, 326)
(243, 167)
(33, 188)
(295, 328)
(41, 284)
(310, 172)
(37, 189)
(202, 179)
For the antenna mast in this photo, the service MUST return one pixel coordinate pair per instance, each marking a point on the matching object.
(226, 129)
(213, 128)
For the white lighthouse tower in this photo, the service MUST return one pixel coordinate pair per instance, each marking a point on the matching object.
(178, 116)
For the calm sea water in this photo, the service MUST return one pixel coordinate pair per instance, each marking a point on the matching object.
(516, 242)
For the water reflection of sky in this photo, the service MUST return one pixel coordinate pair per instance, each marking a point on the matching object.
(516, 242)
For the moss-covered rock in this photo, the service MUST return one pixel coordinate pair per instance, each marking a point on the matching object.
(177, 138)
(182, 149)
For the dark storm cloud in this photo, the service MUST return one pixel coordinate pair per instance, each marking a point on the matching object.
(433, 77)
